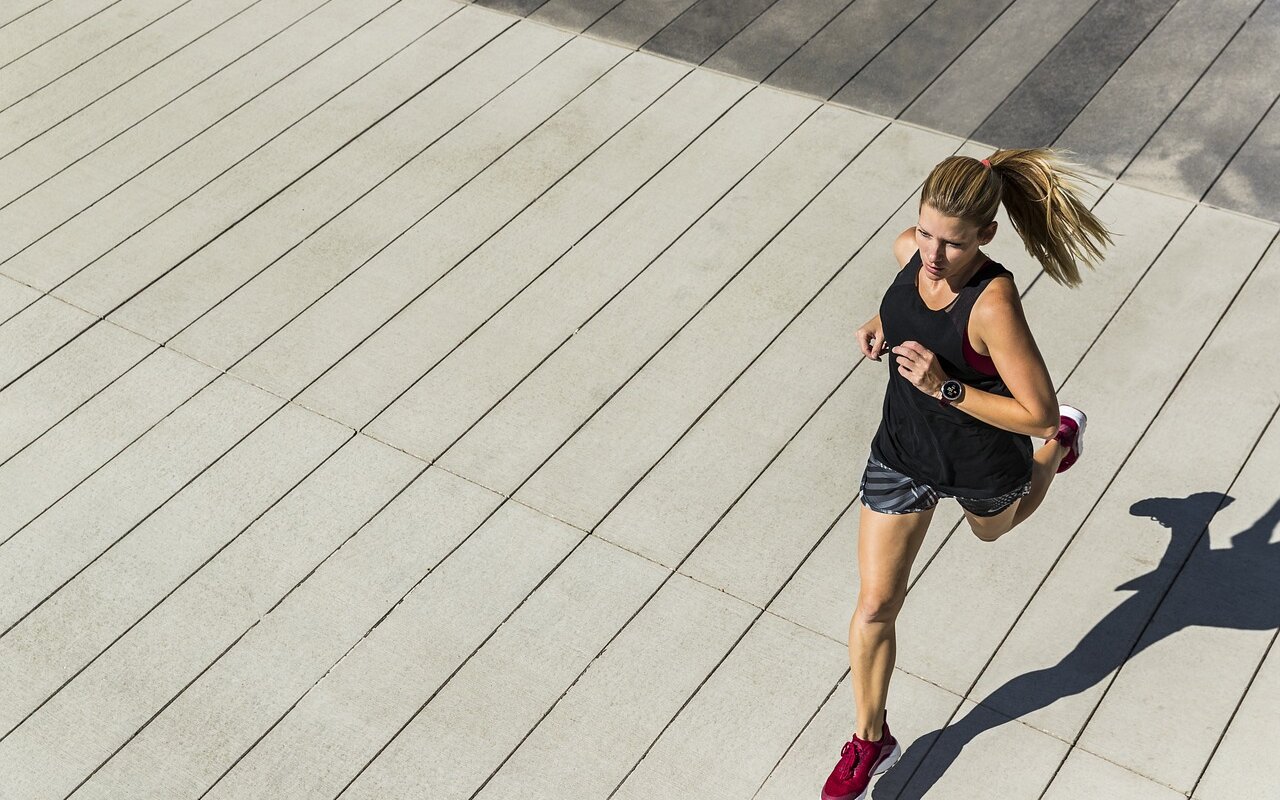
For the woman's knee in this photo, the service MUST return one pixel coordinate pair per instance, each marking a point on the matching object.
(877, 607)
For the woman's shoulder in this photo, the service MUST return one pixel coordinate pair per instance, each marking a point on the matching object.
(904, 247)
(999, 300)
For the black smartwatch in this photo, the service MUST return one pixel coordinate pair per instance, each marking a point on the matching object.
(952, 391)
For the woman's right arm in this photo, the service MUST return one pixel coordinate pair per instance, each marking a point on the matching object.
(871, 335)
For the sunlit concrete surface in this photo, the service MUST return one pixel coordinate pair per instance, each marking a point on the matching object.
(403, 398)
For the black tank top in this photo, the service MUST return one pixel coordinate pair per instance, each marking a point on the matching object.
(918, 436)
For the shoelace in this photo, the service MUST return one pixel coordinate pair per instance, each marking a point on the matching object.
(853, 762)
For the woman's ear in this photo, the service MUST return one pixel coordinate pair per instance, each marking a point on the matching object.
(987, 233)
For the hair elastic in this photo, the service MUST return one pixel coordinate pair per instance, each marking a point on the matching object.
(986, 163)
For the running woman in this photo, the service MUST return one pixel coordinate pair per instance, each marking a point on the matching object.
(967, 390)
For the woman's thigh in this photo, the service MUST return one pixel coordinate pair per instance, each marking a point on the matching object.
(990, 518)
(988, 529)
(887, 545)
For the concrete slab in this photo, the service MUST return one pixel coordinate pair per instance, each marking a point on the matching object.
(38, 476)
(114, 68)
(794, 503)
(286, 288)
(1132, 105)
(338, 727)
(704, 28)
(844, 46)
(105, 705)
(915, 707)
(27, 24)
(822, 593)
(594, 108)
(658, 405)
(508, 444)
(75, 609)
(14, 297)
(994, 70)
(1190, 713)
(471, 723)
(394, 357)
(1240, 767)
(1222, 601)
(1189, 151)
(242, 186)
(133, 489)
(773, 36)
(1050, 97)
(35, 333)
(64, 381)
(584, 747)
(79, 44)
(202, 734)
(458, 391)
(767, 685)
(992, 66)
(181, 642)
(1143, 225)
(570, 15)
(42, 186)
(631, 23)
(922, 52)
(324, 218)
(115, 112)
(520, 7)
(1086, 775)
(82, 238)
(964, 764)
(1248, 182)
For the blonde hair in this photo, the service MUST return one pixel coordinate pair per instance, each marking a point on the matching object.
(1037, 189)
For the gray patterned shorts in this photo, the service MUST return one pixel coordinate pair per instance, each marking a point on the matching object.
(887, 491)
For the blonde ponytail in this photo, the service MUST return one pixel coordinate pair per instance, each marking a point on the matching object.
(1036, 187)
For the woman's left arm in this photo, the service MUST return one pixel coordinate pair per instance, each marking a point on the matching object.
(997, 321)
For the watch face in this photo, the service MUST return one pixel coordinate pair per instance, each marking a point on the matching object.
(951, 390)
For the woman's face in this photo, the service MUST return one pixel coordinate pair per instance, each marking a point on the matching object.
(948, 245)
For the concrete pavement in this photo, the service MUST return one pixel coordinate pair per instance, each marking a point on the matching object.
(408, 399)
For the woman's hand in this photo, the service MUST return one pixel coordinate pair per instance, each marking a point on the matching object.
(920, 366)
(871, 338)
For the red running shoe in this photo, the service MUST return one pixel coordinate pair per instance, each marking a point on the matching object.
(860, 760)
(1071, 423)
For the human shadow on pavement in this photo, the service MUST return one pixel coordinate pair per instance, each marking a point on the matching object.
(1233, 587)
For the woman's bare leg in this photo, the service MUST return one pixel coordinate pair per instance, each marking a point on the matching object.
(887, 544)
(1044, 466)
